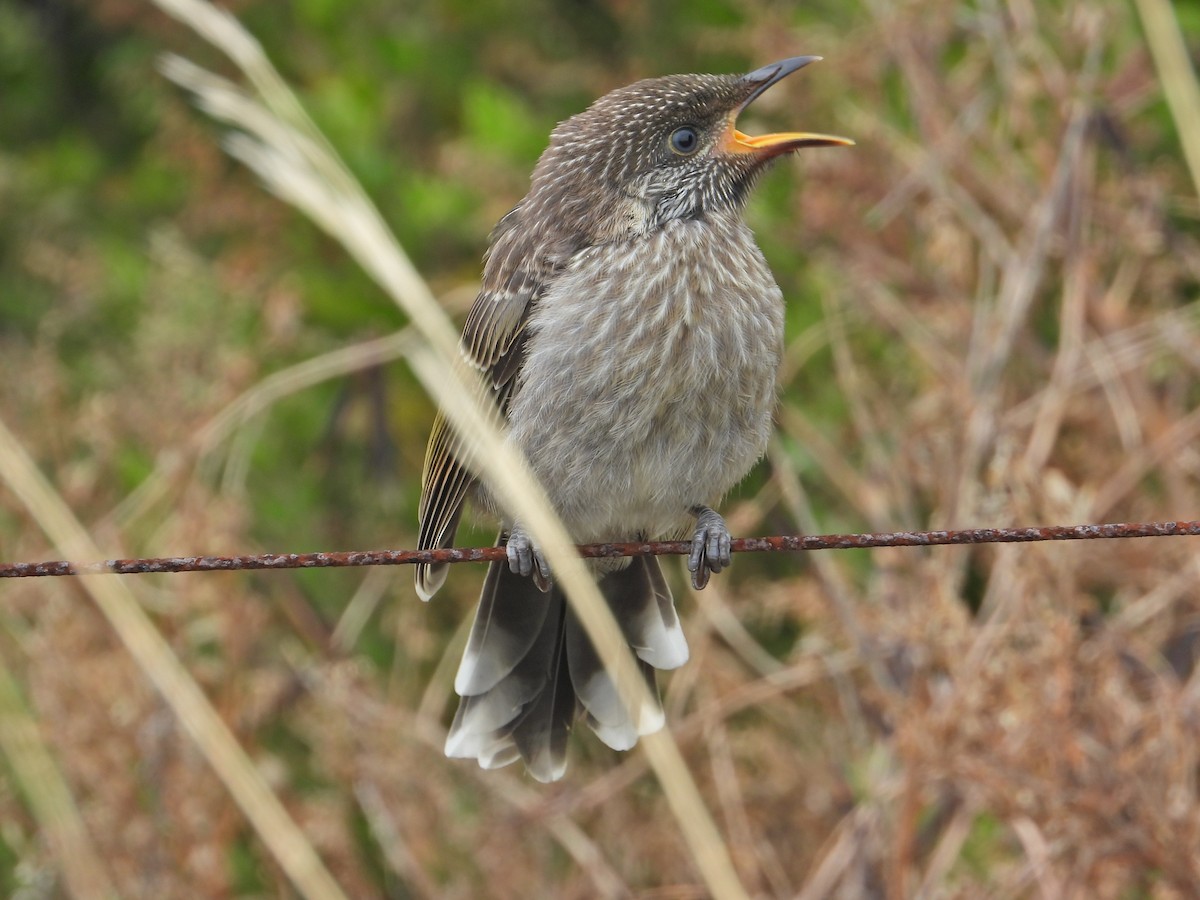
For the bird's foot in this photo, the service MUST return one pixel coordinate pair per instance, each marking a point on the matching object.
(526, 559)
(710, 546)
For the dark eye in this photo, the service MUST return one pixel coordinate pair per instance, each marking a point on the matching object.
(685, 141)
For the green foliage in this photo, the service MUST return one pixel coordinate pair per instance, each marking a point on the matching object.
(11, 881)
(499, 121)
(984, 845)
(247, 874)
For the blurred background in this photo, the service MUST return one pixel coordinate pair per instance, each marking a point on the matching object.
(992, 321)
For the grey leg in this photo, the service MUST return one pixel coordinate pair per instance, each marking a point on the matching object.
(710, 546)
(526, 559)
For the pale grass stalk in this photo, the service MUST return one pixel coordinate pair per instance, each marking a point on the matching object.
(686, 679)
(528, 803)
(368, 715)
(251, 403)
(855, 386)
(238, 463)
(437, 691)
(1182, 433)
(1076, 286)
(945, 854)
(1033, 842)
(800, 350)
(390, 840)
(921, 340)
(1109, 372)
(1158, 600)
(282, 158)
(747, 850)
(805, 673)
(998, 324)
(1177, 76)
(997, 612)
(1022, 275)
(831, 574)
(153, 655)
(936, 180)
(48, 796)
(939, 157)
(362, 605)
(724, 621)
(1124, 352)
(851, 380)
(835, 469)
(841, 849)
(283, 147)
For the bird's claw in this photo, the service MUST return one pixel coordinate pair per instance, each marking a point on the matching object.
(710, 546)
(525, 559)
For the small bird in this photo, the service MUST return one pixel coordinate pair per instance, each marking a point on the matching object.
(630, 331)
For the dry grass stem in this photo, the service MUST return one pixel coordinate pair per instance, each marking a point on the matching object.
(1177, 75)
(302, 169)
(192, 710)
(41, 782)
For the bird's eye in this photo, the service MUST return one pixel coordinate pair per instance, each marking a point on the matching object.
(685, 141)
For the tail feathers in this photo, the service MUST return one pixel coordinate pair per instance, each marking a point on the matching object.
(623, 734)
(502, 755)
(597, 692)
(508, 623)
(641, 602)
(643, 606)
(529, 666)
(524, 707)
(541, 733)
(482, 716)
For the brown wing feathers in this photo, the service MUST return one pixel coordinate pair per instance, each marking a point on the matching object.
(493, 341)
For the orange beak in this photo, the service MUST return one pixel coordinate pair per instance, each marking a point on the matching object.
(770, 145)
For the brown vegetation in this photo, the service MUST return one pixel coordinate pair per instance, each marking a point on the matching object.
(993, 323)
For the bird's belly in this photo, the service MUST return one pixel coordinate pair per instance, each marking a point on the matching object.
(642, 397)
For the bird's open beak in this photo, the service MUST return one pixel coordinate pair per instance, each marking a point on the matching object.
(757, 82)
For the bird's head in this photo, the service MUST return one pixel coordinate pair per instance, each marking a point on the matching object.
(662, 149)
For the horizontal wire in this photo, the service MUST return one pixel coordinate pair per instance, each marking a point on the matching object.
(782, 543)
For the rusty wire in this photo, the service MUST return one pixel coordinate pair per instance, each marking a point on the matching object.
(782, 543)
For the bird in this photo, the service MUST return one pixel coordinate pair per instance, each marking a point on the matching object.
(629, 332)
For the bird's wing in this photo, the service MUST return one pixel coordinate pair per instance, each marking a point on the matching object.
(493, 341)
